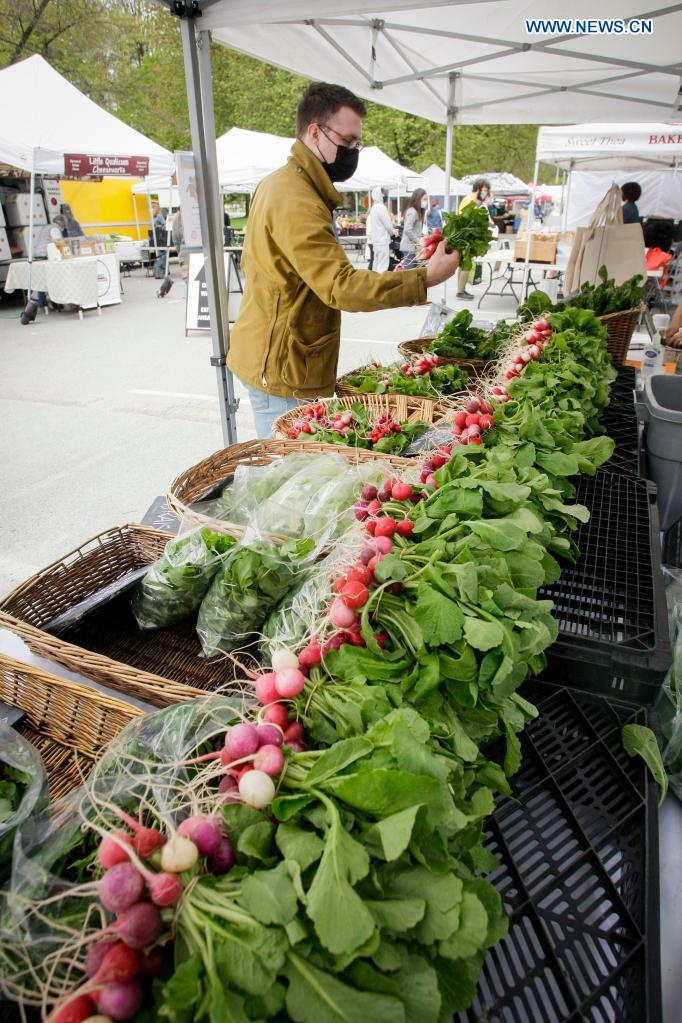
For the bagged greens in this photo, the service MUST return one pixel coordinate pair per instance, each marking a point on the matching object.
(23, 789)
(174, 586)
(254, 580)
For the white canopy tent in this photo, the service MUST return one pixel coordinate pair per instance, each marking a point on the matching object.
(453, 62)
(501, 182)
(437, 186)
(595, 155)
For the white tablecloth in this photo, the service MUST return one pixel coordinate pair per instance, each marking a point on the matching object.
(86, 282)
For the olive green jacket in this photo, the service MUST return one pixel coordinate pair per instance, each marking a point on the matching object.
(298, 279)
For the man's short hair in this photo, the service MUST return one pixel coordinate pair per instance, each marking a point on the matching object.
(631, 191)
(320, 101)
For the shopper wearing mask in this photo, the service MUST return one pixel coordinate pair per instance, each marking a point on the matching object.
(434, 217)
(480, 194)
(413, 227)
(380, 229)
(285, 344)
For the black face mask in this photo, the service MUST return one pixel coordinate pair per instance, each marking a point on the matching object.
(344, 165)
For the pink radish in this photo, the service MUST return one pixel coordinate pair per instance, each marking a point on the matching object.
(294, 733)
(96, 955)
(276, 714)
(110, 851)
(75, 1011)
(165, 889)
(383, 544)
(473, 404)
(139, 926)
(119, 965)
(310, 656)
(341, 615)
(121, 887)
(270, 735)
(290, 682)
(269, 759)
(151, 963)
(228, 786)
(241, 740)
(203, 831)
(298, 747)
(222, 859)
(265, 688)
(120, 1001)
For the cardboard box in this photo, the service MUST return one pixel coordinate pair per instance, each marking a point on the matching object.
(542, 248)
(18, 237)
(18, 208)
(5, 252)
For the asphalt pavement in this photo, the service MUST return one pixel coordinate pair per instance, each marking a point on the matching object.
(99, 415)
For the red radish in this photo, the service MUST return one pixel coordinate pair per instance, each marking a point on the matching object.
(284, 658)
(486, 422)
(366, 554)
(228, 786)
(355, 638)
(298, 747)
(269, 735)
(460, 419)
(178, 854)
(120, 1001)
(374, 506)
(339, 584)
(474, 440)
(457, 431)
(381, 639)
(269, 759)
(375, 561)
(294, 733)
(257, 789)
(165, 889)
(438, 461)
(110, 851)
(534, 351)
(265, 689)
(360, 573)
(291, 681)
(474, 431)
(309, 657)
(510, 374)
(239, 771)
(383, 544)
(201, 830)
(472, 419)
(341, 615)
(354, 594)
(96, 955)
(405, 528)
(242, 740)
(151, 963)
(497, 390)
(402, 491)
(360, 511)
(431, 481)
(473, 404)
(525, 356)
(276, 713)
(140, 926)
(118, 965)
(75, 1011)
(147, 841)
(369, 492)
(223, 858)
(383, 496)
(370, 527)
(121, 887)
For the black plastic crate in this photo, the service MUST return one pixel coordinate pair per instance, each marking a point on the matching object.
(672, 545)
(578, 874)
(610, 605)
(623, 428)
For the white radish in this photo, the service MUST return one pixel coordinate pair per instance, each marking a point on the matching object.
(178, 854)
(284, 658)
(257, 789)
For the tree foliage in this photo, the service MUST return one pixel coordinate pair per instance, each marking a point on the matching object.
(127, 56)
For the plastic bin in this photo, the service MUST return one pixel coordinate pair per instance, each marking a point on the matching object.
(660, 408)
(610, 605)
(578, 873)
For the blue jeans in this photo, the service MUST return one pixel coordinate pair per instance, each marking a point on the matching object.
(266, 408)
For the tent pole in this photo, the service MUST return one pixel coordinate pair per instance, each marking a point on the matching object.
(529, 229)
(30, 229)
(568, 194)
(196, 52)
(137, 221)
(449, 141)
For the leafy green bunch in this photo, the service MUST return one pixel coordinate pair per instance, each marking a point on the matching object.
(394, 379)
(459, 340)
(469, 232)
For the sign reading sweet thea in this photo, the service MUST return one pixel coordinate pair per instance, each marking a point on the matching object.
(79, 165)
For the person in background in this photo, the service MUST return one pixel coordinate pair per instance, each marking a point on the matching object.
(380, 229)
(672, 335)
(158, 223)
(73, 228)
(285, 344)
(434, 217)
(480, 194)
(413, 227)
(631, 191)
(53, 232)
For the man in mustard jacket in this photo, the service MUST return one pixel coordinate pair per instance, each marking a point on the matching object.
(285, 344)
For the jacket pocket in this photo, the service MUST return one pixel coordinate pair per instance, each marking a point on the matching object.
(310, 364)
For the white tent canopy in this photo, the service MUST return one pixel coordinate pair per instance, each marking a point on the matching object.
(158, 186)
(434, 183)
(501, 182)
(376, 168)
(661, 193)
(48, 117)
(401, 52)
(611, 146)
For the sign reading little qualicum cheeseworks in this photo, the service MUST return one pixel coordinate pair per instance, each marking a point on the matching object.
(79, 165)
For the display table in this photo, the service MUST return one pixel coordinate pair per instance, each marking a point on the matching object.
(511, 272)
(87, 282)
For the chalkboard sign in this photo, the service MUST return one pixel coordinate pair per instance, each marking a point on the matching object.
(159, 516)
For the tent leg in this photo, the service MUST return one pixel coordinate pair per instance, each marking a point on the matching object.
(529, 232)
(568, 195)
(449, 140)
(196, 52)
(30, 230)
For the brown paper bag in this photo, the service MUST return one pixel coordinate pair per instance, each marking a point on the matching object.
(606, 242)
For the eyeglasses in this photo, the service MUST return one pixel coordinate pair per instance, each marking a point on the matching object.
(353, 144)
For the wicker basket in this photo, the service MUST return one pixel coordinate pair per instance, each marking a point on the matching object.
(403, 408)
(160, 666)
(344, 390)
(411, 350)
(202, 478)
(620, 328)
(69, 724)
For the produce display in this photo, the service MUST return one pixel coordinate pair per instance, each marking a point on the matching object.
(602, 299)
(334, 423)
(315, 851)
(459, 340)
(425, 379)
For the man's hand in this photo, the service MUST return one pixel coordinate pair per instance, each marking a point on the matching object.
(441, 266)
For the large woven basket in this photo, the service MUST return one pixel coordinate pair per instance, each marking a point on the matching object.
(69, 724)
(411, 351)
(201, 479)
(344, 390)
(620, 328)
(402, 407)
(159, 666)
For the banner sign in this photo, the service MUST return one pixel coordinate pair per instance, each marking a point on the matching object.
(78, 165)
(197, 314)
(189, 200)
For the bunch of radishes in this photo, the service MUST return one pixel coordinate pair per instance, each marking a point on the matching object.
(539, 335)
(313, 416)
(474, 421)
(435, 462)
(422, 367)
(383, 427)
